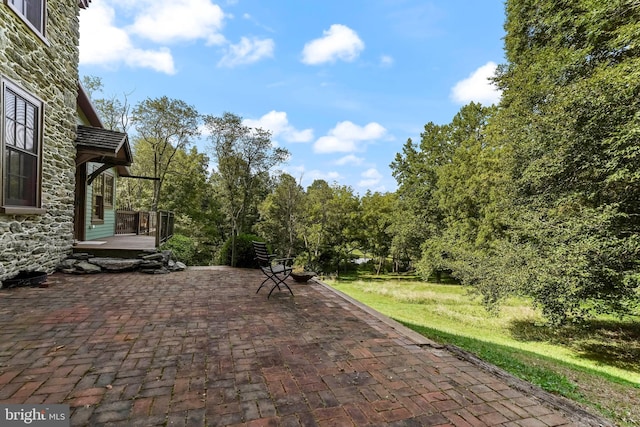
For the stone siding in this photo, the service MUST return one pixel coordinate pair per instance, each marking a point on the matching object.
(49, 72)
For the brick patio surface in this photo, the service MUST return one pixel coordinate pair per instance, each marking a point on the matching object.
(201, 348)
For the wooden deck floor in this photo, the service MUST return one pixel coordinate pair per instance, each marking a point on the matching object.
(125, 242)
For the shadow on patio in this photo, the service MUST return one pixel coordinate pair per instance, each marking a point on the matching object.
(200, 347)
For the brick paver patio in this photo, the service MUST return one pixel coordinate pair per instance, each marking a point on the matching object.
(199, 348)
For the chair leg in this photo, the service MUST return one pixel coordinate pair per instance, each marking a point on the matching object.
(277, 284)
(261, 285)
(265, 282)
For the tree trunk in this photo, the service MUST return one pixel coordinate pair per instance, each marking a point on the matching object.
(379, 267)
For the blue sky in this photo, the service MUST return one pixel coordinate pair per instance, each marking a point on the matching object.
(341, 84)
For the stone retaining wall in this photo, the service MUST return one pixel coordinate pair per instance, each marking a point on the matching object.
(151, 262)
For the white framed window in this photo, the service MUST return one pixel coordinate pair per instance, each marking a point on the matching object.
(21, 150)
(33, 12)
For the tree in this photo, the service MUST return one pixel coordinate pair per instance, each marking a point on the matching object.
(570, 107)
(450, 196)
(418, 217)
(315, 224)
(377, 217)
(281, 215)
(469, 195)
(245, 156)
(114, 112)
(331, 228)
(166, 126)
(137, 194)
(344, 224)
(190, 196)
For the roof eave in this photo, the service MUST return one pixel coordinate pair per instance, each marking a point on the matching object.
(87, 108)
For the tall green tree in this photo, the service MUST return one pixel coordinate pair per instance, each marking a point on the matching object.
(445, 187)
(345, 225)
(418, 217)
(245, 157)
(166, 126)
(315, 224)
(189, 194)
(570, 108)
(331, 227)
(137, 194)
(469, 195)
(377, 218)
(281, 215)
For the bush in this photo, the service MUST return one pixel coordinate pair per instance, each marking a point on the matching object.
(182, 247)
(244, 251)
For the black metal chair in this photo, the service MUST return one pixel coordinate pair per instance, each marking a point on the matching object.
(276, 269)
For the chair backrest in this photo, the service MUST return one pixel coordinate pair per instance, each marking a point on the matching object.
(262, 255)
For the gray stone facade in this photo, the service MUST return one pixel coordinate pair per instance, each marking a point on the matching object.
(48, 71)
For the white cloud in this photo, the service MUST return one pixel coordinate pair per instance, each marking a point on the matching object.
(247, 51)
(250, 18)
(386, 61)
(105, 42)
(350, 159)
(159, 60)
(169, 21)
(371, 177)
(278, 123)
(477, 87)
(347, 136)
(338, 42)
(102, 43)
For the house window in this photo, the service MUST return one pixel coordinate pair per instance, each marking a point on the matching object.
(108, 190)
(97, 187)
(102, 189)
(32, 11)
(21, 148)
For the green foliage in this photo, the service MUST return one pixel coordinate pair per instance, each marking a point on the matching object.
(331, 226)
(281, 216)
(539, 196)
(244, 251)
(570, 116)
(245, 158)
(189, 194)
(376, 218)
(165, 127)
(182, 247)
(454, 185)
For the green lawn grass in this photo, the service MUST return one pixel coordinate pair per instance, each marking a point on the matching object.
(577, 361)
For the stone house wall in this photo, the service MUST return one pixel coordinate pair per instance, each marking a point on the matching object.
(49, 72)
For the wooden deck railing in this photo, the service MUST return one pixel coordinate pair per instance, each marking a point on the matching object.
(159, 224)
(165, 227)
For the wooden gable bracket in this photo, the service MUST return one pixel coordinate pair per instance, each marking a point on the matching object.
(98, 171)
